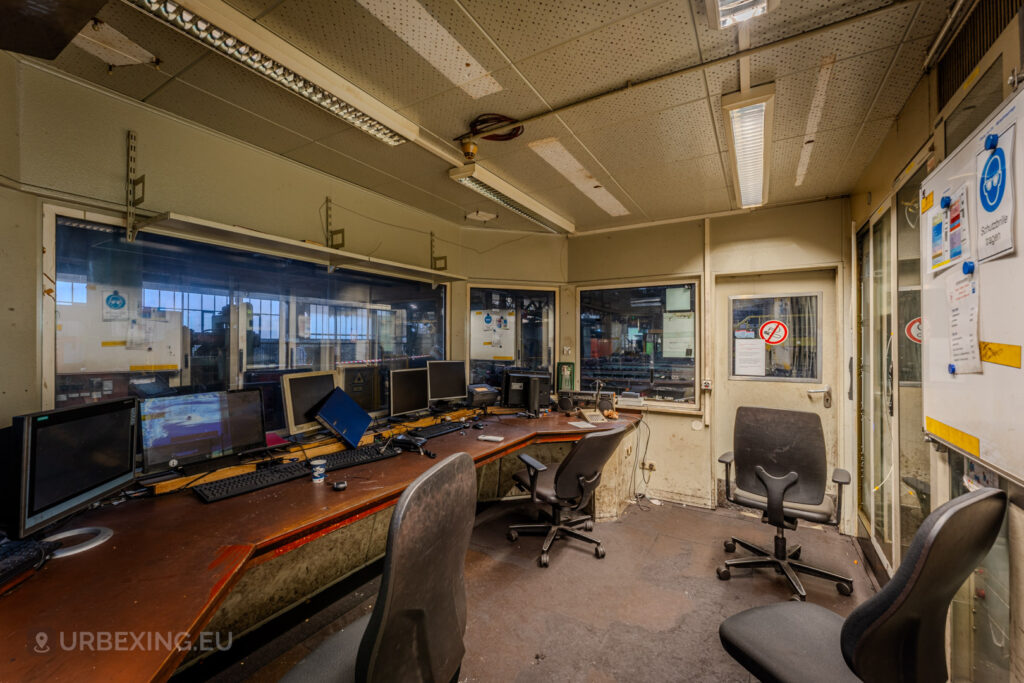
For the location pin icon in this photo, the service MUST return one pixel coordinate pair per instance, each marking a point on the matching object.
(41, 640)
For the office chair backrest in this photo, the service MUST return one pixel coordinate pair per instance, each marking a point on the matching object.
(416, 628)
(899, 634)
(780, 441)
(580, 473)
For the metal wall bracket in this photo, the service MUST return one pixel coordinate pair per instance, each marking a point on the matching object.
(130, 186)
(437, 262)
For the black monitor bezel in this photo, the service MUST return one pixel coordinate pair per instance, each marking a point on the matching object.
(450, 363)
(391, 392)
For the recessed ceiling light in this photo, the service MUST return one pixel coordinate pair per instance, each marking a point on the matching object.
(748, 122)
(484, 182)
(110, 46)
(725, 13)
(562, 160)
(204, 31)
(814, 117)
(418, 29)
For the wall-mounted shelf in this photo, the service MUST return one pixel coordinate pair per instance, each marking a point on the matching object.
(237, 237)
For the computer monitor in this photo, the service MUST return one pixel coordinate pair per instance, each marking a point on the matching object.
(363, 382)
(409, 393)
(303, 395)
(269, 384)
(343, 417)
(446, 380)
(63, 460)
(528, 389)
(191, 428)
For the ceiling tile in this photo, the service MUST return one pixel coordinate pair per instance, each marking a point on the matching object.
(793, 17)
(253, 8)
(574, 205)
(174, 49)
(929, 19)
(548, 127)
(714, 43)
(904, 77)
(680, 189)
(135, 81)
(345, 37)
(199, 106)
(525, 27)
(652, 42)
(628, 104)
(340, 166)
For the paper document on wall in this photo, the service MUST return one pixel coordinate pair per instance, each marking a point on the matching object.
(951, 234)
(748, 357)
(964, 352)
(995, 198)
(492, 335)
(679, 335)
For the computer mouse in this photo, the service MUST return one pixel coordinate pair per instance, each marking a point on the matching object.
(478, 425)
(339, 485)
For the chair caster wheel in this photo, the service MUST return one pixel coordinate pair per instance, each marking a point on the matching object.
(844, 588)
(588, 525)
(723, 573)
(795, 598)
(543, 560)
(599, 552)
(730, 546)
(512, 535)
(796, 555)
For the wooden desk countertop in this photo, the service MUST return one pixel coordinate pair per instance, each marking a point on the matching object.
(173, 559)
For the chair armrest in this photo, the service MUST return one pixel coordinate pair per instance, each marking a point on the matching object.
(842, 478)
(533, 468)
(727, 460)
(776, 488)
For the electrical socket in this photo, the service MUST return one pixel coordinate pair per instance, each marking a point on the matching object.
(647, 466)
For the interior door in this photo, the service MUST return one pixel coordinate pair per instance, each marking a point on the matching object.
(791, 319)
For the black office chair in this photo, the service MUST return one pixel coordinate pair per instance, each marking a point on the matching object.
(898, 634)
(415, 630)
(780, 470)
(570, 487)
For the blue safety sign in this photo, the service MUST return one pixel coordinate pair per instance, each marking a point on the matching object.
(993, 181)
(115, 301)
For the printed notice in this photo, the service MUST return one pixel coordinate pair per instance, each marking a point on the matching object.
(748, 357)
(679, 335)
(951, 235)
(964, 351)
(995, 198)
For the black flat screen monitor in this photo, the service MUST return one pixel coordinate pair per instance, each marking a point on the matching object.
(179, 430)
(269, 384)
(67, 459)
(446, 380)
(518, 391)
(303, 396)
(409, 391)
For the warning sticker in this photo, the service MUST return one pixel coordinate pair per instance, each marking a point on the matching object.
(773, 332)
(913, 330)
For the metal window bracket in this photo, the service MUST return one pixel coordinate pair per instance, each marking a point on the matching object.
(437, 262)
(134, 188)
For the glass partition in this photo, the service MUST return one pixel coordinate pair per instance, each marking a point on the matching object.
(162, 315)
(509, 327)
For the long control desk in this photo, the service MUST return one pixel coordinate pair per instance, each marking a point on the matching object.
(109, 613)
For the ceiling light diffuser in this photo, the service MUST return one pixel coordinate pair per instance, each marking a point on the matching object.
(725, 13)
(418, 29)
(748, 121)
(484, 182)
(562, 160)
(814, 117)
(205, 32)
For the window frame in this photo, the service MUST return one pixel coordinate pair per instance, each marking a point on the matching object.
(817, 379)
(697, 407)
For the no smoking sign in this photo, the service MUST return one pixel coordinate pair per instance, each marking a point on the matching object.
(773, 332)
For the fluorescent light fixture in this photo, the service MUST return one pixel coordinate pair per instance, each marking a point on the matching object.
(555, 153)
(481, 180)
(814, 117)
(110, 46)
(204, 31)
(418, 29)
(748, 122)
(725, 13)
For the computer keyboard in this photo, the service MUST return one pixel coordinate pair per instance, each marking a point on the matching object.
(278, 474)
(250, 481)
(439, 429)
(19, 557)
(359, 456)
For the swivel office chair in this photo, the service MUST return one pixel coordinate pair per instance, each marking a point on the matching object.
(570, 487)
(780, 470)
(415, 630)
(897, 635)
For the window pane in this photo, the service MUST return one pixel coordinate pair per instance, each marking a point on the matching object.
(641, 339)
(186, 296)
(509, 328)
(776, 338)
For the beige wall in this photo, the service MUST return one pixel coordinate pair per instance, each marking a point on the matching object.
(664, 250)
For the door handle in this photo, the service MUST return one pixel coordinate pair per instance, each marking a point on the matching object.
(826, 395)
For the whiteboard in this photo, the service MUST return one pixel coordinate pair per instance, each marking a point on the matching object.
(978, 414)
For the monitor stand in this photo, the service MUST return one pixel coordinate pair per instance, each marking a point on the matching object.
(99, 535)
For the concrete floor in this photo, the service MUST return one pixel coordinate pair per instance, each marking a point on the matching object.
(649, 611)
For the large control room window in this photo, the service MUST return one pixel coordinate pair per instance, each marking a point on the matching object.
(510, 327)
(163, 315)
(641, 339)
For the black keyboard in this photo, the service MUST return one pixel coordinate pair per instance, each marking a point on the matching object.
(359, 456)
(251, 481)
(279, 474)
(18, 557)
(439, 429)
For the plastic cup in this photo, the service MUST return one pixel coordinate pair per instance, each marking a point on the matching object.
(319, 470)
